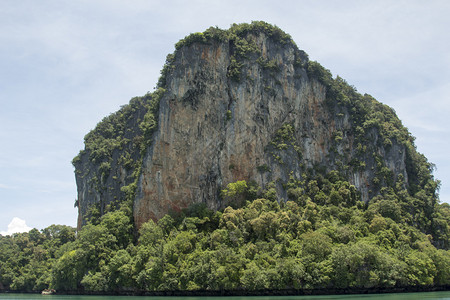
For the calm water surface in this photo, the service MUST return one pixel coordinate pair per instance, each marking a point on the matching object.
(405, 296)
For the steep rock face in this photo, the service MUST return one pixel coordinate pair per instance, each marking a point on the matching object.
(251, 107)
(107, 169)
(214, 130)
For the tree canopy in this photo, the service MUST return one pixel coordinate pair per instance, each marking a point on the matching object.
(311, 241)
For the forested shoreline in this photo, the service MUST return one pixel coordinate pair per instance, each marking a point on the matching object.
(308, 244)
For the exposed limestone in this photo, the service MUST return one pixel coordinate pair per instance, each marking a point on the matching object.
(272, 123)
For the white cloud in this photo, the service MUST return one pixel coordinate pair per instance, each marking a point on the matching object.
(16, 225)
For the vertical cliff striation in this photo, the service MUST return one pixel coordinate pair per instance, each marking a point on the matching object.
(242, 104)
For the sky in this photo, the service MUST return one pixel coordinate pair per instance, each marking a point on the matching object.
(66, 64)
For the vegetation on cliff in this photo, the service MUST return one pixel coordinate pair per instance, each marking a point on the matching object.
(365, 134)
(242, 45)
(114, 150)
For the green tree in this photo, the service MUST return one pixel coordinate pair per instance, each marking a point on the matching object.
(235, 193)
(69, 270)
(421, 269)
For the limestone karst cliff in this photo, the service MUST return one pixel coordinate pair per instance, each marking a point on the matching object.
(242, 104)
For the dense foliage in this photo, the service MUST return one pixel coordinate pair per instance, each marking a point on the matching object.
(322, 237)
(26, 259)
(418, 193)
